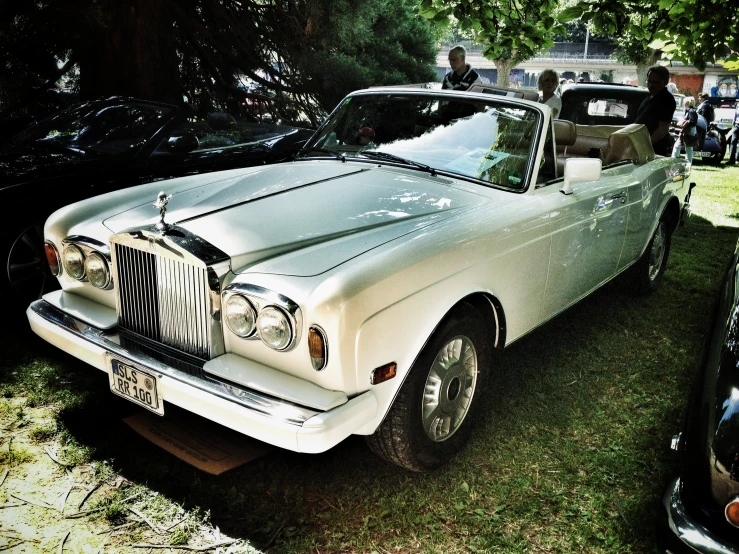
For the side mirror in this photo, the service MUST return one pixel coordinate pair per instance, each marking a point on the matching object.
(182, 143)
(580, 170)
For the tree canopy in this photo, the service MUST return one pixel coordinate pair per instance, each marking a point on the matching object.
(696, 32)
(510, 31)
(312, 51)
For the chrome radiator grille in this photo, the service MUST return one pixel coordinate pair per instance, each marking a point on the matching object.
(163, 299)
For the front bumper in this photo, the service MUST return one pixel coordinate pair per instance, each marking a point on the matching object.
(268, 418)
(687, 535)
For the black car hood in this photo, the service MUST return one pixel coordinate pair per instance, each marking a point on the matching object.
(21, 163)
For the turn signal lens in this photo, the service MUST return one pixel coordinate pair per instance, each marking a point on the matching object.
(318, 348)
(383, 373)
(97, 270)
(52, 258)
(240, 315)
(274, 328)
(732, 512)
(73, 260)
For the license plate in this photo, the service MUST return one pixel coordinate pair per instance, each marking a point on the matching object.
(138, 385)
(700, 154)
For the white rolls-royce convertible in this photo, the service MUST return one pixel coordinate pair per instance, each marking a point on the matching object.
(364, 287)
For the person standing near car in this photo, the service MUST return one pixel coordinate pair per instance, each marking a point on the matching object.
(657, 109)
(705, 108)
(547, 84)
(462, 76)
(689, 131)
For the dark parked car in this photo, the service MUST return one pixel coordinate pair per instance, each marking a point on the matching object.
(702, 503)
(96, 147)
(614, 104)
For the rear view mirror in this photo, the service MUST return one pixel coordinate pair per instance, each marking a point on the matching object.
(580, 170)
(182, 143)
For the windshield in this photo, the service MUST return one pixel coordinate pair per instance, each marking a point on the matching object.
(109, 129)
(490, 140)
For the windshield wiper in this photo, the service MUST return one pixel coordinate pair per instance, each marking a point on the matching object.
(394, 158)
(334, 153)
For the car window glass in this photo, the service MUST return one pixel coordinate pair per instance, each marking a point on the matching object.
(106, 129)
(491, 140)
(608, 107)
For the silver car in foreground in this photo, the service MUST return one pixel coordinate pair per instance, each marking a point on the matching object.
(364, 287)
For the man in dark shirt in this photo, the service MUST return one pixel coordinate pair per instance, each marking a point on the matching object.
(705, 109)
(462, 76)
(657, 109)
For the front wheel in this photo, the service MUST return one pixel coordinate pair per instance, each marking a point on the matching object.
(26, 275)
(647, 273)
(432, 415)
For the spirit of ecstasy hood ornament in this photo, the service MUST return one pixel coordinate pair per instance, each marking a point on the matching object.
(161, 203)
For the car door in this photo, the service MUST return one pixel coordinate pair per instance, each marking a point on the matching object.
(588, 230)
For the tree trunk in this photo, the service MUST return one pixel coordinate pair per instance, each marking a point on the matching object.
(131, 52)
(652, 57)
(504, 72)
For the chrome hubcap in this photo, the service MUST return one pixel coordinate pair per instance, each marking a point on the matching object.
(658, 252)
(449, 389)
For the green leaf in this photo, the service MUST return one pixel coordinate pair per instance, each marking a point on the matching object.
(568, 14)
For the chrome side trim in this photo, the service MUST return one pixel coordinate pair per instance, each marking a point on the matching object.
(262, 404)
(690, 533)
(260, 299)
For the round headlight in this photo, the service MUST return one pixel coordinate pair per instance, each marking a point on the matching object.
(97, 270)
(73, 260)
(274, 328)
(240, 315)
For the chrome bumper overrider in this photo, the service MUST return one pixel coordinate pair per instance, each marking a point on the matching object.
(272, 420)
(692, 534)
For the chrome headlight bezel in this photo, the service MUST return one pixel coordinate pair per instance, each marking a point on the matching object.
(263, 299)
(88, 247)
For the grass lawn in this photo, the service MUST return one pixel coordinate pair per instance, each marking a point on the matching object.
(572, 453)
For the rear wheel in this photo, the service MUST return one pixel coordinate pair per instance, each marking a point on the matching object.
(647, 273)
(433, 413)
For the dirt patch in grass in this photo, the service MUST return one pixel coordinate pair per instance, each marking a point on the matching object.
(51, 499)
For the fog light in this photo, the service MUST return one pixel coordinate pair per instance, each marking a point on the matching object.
(318, 348)
(74, 262)
(732, 512)
(52, 258)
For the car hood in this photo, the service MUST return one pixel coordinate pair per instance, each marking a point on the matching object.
(305, 218)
